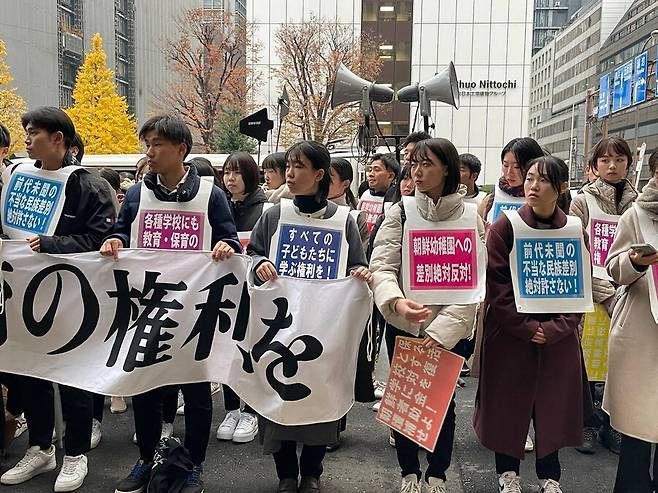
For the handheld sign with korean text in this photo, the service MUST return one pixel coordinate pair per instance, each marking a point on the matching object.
(650, 235)
(310, 248)
(503, 201)
(550, 268)
(420, 386)
(601, 230)
(33, 199)
(442, 261)
(173, 225)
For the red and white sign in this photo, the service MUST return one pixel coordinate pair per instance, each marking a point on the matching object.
(419, 390)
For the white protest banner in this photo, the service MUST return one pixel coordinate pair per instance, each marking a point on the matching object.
(152, 318)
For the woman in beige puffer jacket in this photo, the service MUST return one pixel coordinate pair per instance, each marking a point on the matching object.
(438, 197)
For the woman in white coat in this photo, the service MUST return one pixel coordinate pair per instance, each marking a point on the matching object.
(439, 197)
(631, 391)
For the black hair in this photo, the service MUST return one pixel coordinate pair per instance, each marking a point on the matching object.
(112, 177)
(77, 142)
(245, 164)
(141, 168)
(205, 168)
(127, 175)
(415, 137)
(168, 127)
(405, 173)
(363, 186)
(617, 144)
(653, 161)
(389, 161)
(471, 161)
(551, 168)
(275, 161)
(5, 136)
(524, 149)
(446, 152)
(344, 170)
(320, 159)
(51, 120)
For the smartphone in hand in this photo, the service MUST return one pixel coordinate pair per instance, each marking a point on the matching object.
(644, 249)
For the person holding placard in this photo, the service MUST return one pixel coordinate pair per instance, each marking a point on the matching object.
(630, 395)
(599, 208)
(508, 193)
(383, 170)
(429, 264)
(308, 238)
(57, 207)
(538, 285)
(247, 200)
(172, 208)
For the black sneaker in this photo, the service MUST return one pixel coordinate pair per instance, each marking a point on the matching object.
(465, 371)
(610, 439)
(193, 483)
(589, 437)
(137, 480)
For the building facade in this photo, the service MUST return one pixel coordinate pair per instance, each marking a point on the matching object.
(630, 38)
(46, 42)
(489, 42)
(566, 69)
(550, 16)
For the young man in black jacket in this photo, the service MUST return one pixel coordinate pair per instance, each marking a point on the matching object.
(171, 188)
(75, 219)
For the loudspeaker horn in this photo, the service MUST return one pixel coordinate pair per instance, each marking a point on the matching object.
(443, 87)
(349, 88)
(256, 125)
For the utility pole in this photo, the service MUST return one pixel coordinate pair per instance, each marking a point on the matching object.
(589, 108)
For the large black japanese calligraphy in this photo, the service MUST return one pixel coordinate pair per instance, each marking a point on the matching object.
(156, 318)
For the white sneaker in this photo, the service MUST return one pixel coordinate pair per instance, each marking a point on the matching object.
(96, 434)
(118, 405)
(167, 430)
(509, 482)
(35, 462)
(391, 439)
(228, 426)
(549, 486)
(180, 405)
(410, 484)
(375, 406)
(215, 387)
(135, 438)
(21, 425)
(380, 387)
(73, 473)
(529, 446)
(247, 428)
(436, 485)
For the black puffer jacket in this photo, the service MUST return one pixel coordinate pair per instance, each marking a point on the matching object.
(87, 217)
(247, 212)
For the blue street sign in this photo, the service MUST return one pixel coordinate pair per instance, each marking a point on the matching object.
(640, 78)
(604, 95)
(622, 90)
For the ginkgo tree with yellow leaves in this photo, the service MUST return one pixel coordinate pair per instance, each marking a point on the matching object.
(100, 115)
(12, 106)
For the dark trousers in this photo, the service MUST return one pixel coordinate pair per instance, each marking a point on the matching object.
(547, 467)
(77, 406)
(148, 408)
(232, 401)
(390, 334)
(309, 463)
(99, 404)
(170, 404)
(438, 460)
(15, 393)
(634, 466)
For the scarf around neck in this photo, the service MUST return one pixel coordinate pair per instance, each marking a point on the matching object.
(648, 199)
